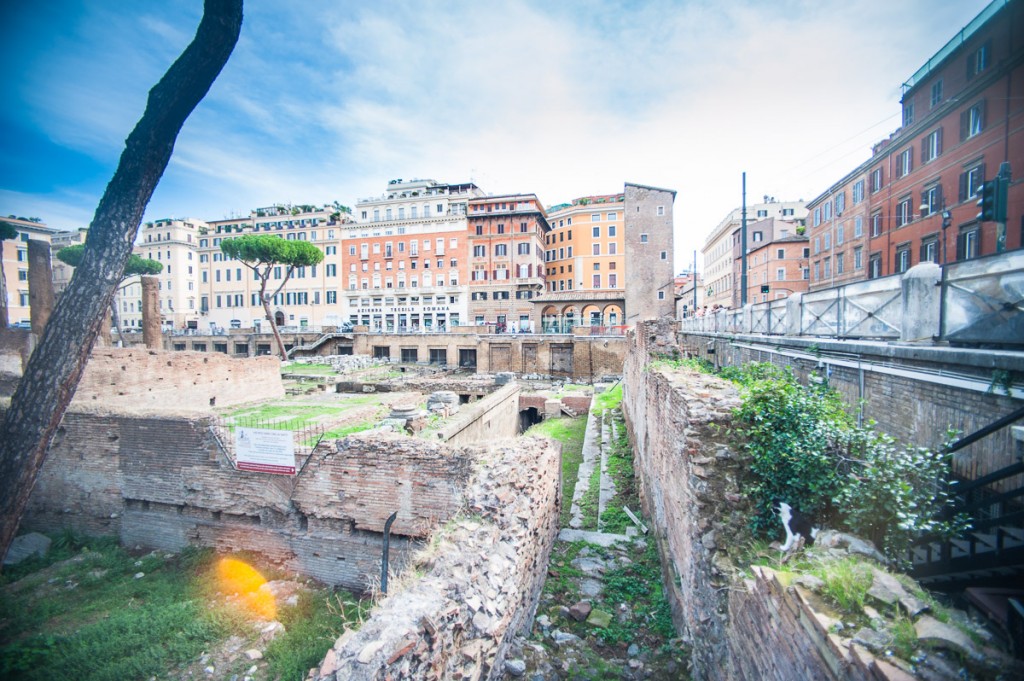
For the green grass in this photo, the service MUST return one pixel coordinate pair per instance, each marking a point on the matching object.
(620, 470)
(576, 387)
(310, 369)
(609, 399)
(339, 433)
(570, 432)
(589, 502)
(81, 613)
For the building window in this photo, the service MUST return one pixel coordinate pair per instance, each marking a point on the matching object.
(643, 238)
(972, 121)
(979, 60)
(479, 251)
(780, 254)
(500, 249)
(840, 263)
(904, 162)
(780, 274)
(904, 212)
(661, 210)
(827, 269)
(970, 182)
(839, 234)
(817, 217)
(664, 255)
(611, 230)
(876, 224)
(858, 226)
(875, 266)
(596, 232)
(931, 200)
(858, 192)
(858, 258)
(936, 98)
(968, 243)
(931, 146)
(930, 249)
(840, 203)
(597, 281)
(876, 180)
(908, 114)
(902, 258)
(817, 245)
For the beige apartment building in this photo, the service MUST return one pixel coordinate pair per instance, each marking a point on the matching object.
(228, 291)
(15, 258)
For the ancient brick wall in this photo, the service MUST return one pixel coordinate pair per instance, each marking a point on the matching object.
(742, 629)
(165, 482)
(137, 378)
(481, 583)
(671, 417)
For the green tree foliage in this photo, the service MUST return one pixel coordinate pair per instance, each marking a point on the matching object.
(260, 253)
(72, 255)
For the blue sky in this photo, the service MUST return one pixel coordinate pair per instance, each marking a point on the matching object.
(325, 100)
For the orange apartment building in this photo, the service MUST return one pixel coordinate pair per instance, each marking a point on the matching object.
(586, 263)
(963, 116)
(781, 265)
(506, 260)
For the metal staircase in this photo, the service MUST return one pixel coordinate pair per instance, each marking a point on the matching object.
(991, 553)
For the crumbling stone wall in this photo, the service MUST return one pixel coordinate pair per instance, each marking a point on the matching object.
(129, 378)
(483, 575)
(164, 482)
(672, 418)
(742, 629)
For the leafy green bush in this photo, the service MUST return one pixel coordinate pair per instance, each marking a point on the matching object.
(792, 434)
(893, 495)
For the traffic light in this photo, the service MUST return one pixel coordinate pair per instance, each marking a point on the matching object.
(992, 200)
(987, 201)
(764, 288)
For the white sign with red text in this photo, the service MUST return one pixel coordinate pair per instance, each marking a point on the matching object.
(265, 451)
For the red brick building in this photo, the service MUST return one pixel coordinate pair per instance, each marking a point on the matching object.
(506, 259)
(963, 116)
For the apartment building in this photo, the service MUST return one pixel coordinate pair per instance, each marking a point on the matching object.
(585, 263)
(961, 122)
(778, 265)
(15, 258)
(761, 234)
(838, 232)
(406, 255)
(63, 272)
(721, 248)
(506, 238)
(229, 291)
(174, 244)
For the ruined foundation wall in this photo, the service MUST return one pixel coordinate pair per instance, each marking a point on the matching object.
(164, 482)
(137, 378)
(671, 429)
(483, 577)
(496, 416)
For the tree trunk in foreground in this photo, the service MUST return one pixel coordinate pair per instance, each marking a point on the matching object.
(53, 371)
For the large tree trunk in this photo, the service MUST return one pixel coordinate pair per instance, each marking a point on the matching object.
(53, 371)
(273, 327)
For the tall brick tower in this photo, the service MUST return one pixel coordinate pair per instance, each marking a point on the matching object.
(649, 266)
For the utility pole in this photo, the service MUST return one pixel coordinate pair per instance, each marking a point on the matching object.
(695, 281)
(743, 245)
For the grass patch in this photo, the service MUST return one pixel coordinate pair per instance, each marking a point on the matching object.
(846, 583)
(620, 470)
(609, 399)
(339, 433)
(590, 501)
(81, 613)
(309, 370)
(569, 432)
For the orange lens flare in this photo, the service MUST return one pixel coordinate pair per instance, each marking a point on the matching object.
(238, 577)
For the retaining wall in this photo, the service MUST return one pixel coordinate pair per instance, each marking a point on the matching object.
(495, 416)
